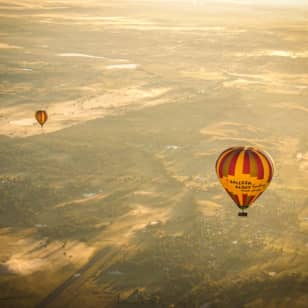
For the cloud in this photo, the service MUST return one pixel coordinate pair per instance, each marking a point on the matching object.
(35, 256)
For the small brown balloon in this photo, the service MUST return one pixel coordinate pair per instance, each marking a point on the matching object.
(41, 117)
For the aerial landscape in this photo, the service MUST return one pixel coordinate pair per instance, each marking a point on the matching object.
(115, 201)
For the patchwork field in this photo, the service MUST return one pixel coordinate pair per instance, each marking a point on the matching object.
(115, 202)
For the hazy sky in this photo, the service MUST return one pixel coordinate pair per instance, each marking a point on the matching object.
(278, 2)
(271, 2)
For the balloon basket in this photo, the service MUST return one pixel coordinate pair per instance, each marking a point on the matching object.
(242, 214)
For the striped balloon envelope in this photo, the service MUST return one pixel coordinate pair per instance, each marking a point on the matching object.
(41, 117)
(245, 173)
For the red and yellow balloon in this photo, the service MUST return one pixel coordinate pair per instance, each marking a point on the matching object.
(245, 173)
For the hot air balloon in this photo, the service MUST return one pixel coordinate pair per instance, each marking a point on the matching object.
(41, 117)
(245, 173)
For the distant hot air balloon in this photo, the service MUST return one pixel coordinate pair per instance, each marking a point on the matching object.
(245, 173)
(41, 117)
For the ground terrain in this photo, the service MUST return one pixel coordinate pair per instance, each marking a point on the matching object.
(115, 202)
